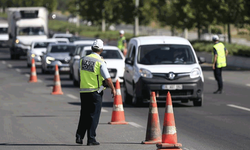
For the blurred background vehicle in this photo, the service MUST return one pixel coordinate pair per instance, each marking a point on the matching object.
(112, 56)
(4, 37)
(37, 49)
(57, 54)
(75, 55)
(62, 40)
(25, 25)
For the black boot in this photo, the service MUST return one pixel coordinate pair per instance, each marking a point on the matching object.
(219, 91)
(78, 139)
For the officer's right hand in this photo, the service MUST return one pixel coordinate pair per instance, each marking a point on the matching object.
(113, 92)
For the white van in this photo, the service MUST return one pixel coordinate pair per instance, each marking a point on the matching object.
(160, 64)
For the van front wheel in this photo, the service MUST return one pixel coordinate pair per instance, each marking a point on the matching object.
(198, 102)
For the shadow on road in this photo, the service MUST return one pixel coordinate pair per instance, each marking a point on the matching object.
(228, 68)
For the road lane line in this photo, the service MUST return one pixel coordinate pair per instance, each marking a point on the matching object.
(3, 62)
(27, 75)
(135, 125)
(40, 81)
(72, 96)
(211, 78)
(9, 65)
(239, 107)
(18, 70)
(104, 110)
(247, 84)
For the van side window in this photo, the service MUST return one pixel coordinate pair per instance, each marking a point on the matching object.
(129, 50)
(133, 54)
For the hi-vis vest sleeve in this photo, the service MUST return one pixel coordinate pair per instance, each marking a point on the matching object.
(90, 75)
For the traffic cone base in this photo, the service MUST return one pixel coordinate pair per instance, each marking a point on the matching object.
(118, 116)
(153, 134)
(168, 146)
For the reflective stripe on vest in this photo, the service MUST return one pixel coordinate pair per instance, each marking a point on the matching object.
(120, 44)
(90, 75)
(221, 56)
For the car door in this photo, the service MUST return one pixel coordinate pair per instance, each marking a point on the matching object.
(128, 74)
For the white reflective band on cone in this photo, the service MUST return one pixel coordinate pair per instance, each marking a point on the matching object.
(152, 100)
(57, 83)
(169, 109)
(33, 73)
(118, 92)
(56, 73)
(153, 110)
(118, 108)
(169, 130)
(33, 65)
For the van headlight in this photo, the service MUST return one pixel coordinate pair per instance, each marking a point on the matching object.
(145, 73)
(17, 41)
(33, 55)
(195, 73)
(49, 60)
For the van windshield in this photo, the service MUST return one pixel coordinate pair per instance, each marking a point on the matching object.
(165, 54)
(30, 31)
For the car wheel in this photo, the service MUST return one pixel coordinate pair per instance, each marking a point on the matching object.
(127, 97)
(198, 102)
(136, 100)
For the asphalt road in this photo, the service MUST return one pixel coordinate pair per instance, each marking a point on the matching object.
(33, 119)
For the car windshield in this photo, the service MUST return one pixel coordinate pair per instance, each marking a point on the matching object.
(61, 49)
(42, 44)
(165, 54)
(108, 54)
(3, 30)
(79, 49)
(30, 31)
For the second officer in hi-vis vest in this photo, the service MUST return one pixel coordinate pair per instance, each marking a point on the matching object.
(219, 61)
(93, 71)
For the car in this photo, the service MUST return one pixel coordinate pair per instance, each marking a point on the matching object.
(62, 40)
(75, 55)
(37, 49)
(112, 56)
(62, 35)
(57, 54)
(151, 66)
(4, 37)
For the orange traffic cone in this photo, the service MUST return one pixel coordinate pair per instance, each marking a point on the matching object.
(169, 134)
(118, 116)
(57, 84)
(153, 134)
(33, 77)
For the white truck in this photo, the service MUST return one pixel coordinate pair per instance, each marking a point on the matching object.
(25, 25)
(3, 34)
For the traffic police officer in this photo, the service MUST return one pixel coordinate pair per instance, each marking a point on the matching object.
(219, 61)
(121, 43)
(93, 71)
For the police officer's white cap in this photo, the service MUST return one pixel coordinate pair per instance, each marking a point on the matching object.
(215, 38)
(121, 32)
(98, 44)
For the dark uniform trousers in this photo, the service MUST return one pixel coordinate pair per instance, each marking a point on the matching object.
(91, 104)
(218, 77)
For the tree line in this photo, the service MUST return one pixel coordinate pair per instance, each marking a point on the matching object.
(178, 14)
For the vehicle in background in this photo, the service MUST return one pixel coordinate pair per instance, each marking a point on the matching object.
(37, 49)
(162, 64)
(4, 37)
(57, 54)
(75, 55)
(62, 40)
(63, 35)
(25, 25)
(112, 56)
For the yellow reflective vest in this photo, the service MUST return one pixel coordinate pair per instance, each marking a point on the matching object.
(221, 58)
(90, 74)
(120, 44)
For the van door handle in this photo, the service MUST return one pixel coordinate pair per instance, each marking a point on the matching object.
(127, 71)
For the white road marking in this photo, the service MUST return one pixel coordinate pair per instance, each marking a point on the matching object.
(72, 96)
(135, 125)
(9, 65)
(104, 110)
(239, 107)
(40, 81)
(211, 78)
(18, 70)
(247, 84)
(3, 62)
(27, 75)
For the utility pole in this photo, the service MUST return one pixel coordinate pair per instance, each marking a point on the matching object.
(77, 14)
(136, 26)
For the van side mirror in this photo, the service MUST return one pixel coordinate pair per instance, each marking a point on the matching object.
(129, 61)
(71, 54)
(201, 60)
